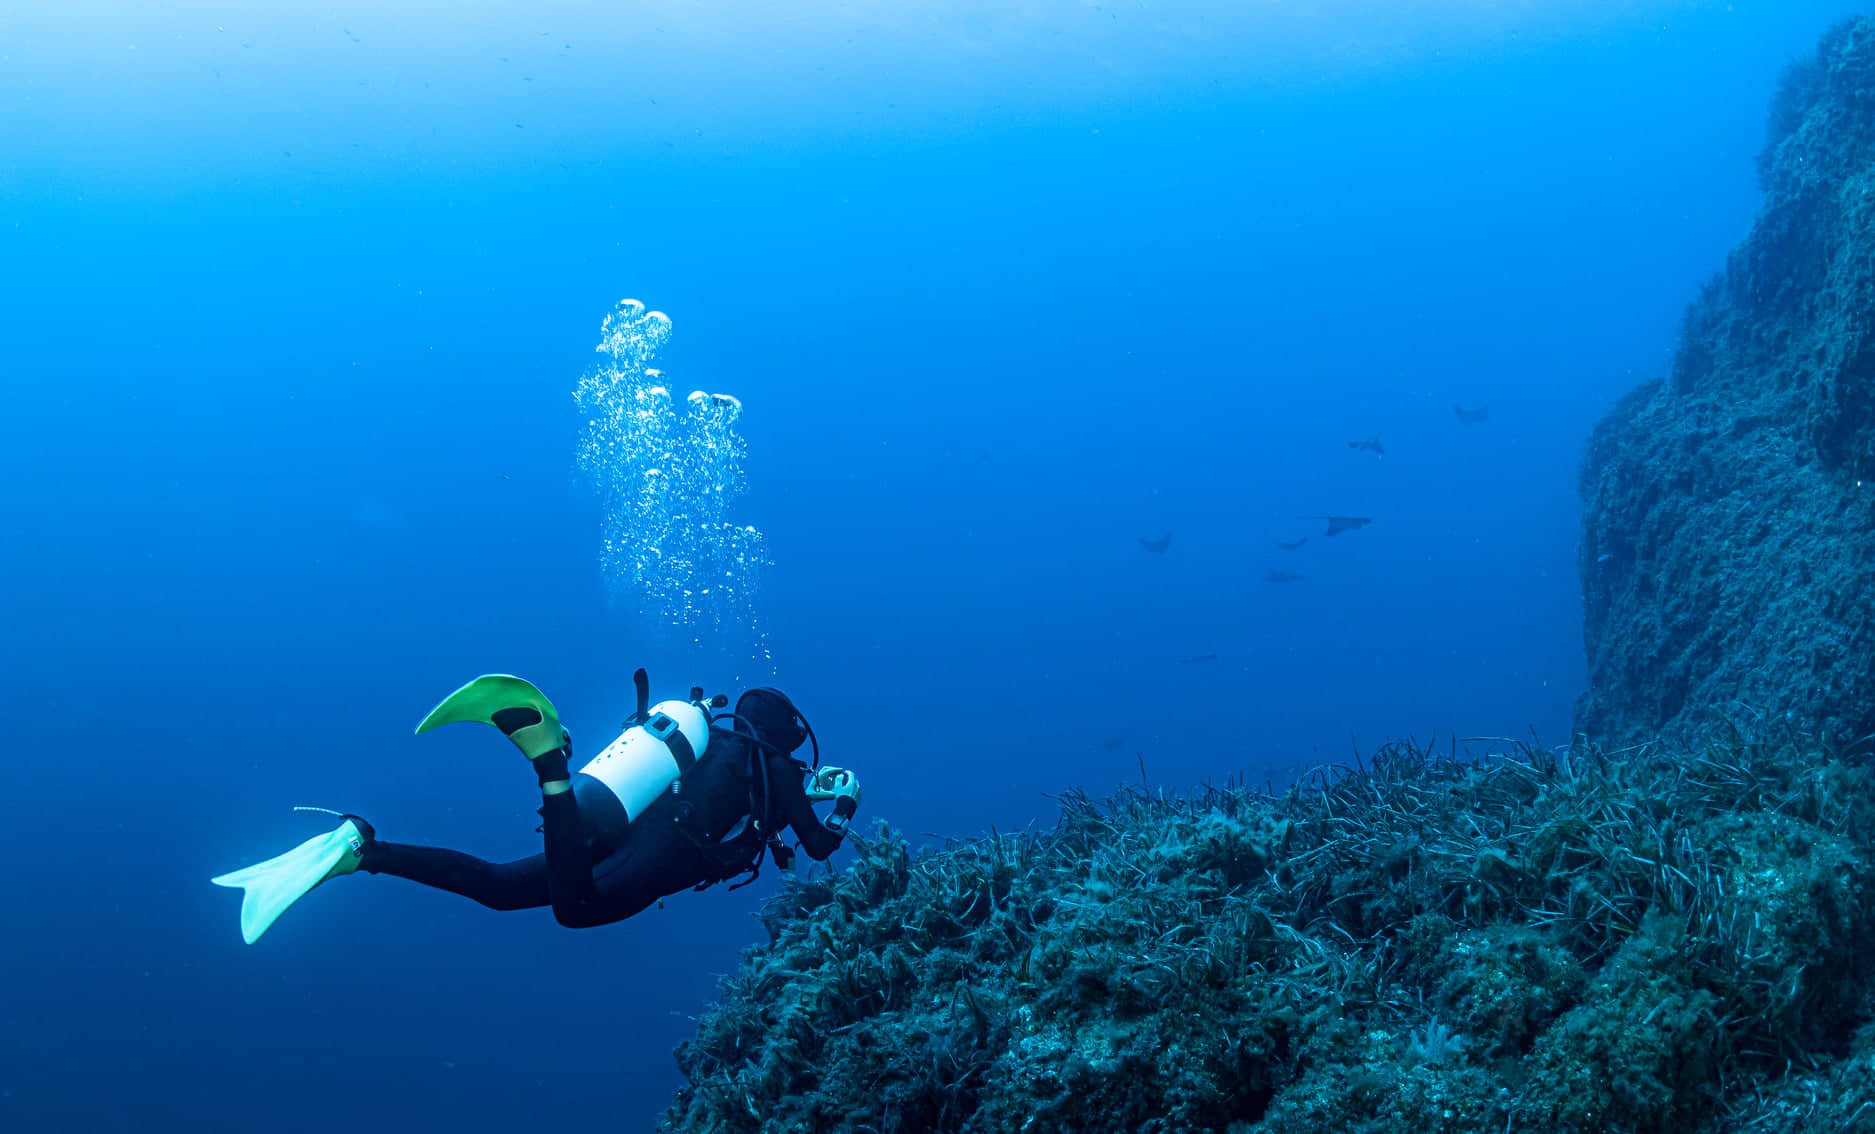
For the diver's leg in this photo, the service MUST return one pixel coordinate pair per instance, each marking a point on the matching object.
(531, 882)
(518, 885)
(568, 855)
(653, 860)
(568, 844)
(581, 821)
(581, 824)
(602, 867)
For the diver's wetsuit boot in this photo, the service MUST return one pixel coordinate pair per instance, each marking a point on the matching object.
(551, 767)
(369, 836)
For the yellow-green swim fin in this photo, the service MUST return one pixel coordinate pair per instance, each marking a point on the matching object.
(511, 704)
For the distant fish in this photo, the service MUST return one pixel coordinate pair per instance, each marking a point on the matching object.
(1294, 545)
(1604, 557)
(1472, 416)
(1197, 659)
(1282, 577)
(1157, 546)
(1339, 524)
(1371, 445)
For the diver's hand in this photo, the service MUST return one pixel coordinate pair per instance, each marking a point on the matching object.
(841, 786)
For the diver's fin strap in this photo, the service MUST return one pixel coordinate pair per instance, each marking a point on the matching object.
(523, 713)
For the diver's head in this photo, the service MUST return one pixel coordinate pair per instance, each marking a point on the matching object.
(775, 719)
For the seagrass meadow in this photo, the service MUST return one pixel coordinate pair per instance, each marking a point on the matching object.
(1567, 939)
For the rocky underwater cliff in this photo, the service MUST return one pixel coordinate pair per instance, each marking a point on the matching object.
(1665, 926)
(1728, 537)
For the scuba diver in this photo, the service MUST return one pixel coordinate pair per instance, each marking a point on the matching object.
(681, 799)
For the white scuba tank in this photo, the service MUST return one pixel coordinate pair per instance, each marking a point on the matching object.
(641, 763)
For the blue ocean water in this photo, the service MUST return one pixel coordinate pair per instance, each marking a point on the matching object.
(295, 298)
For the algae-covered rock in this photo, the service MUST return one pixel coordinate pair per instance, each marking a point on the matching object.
(1545, 940)
(1728, 537)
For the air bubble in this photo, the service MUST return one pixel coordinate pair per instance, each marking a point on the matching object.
(667, 474)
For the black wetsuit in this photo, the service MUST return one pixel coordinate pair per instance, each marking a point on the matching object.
(599, 868)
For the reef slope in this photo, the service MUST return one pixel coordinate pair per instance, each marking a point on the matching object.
(1560, 941)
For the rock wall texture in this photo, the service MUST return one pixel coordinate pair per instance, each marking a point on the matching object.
(1728, 539)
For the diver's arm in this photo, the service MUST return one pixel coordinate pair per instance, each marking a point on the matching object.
(794, 810)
